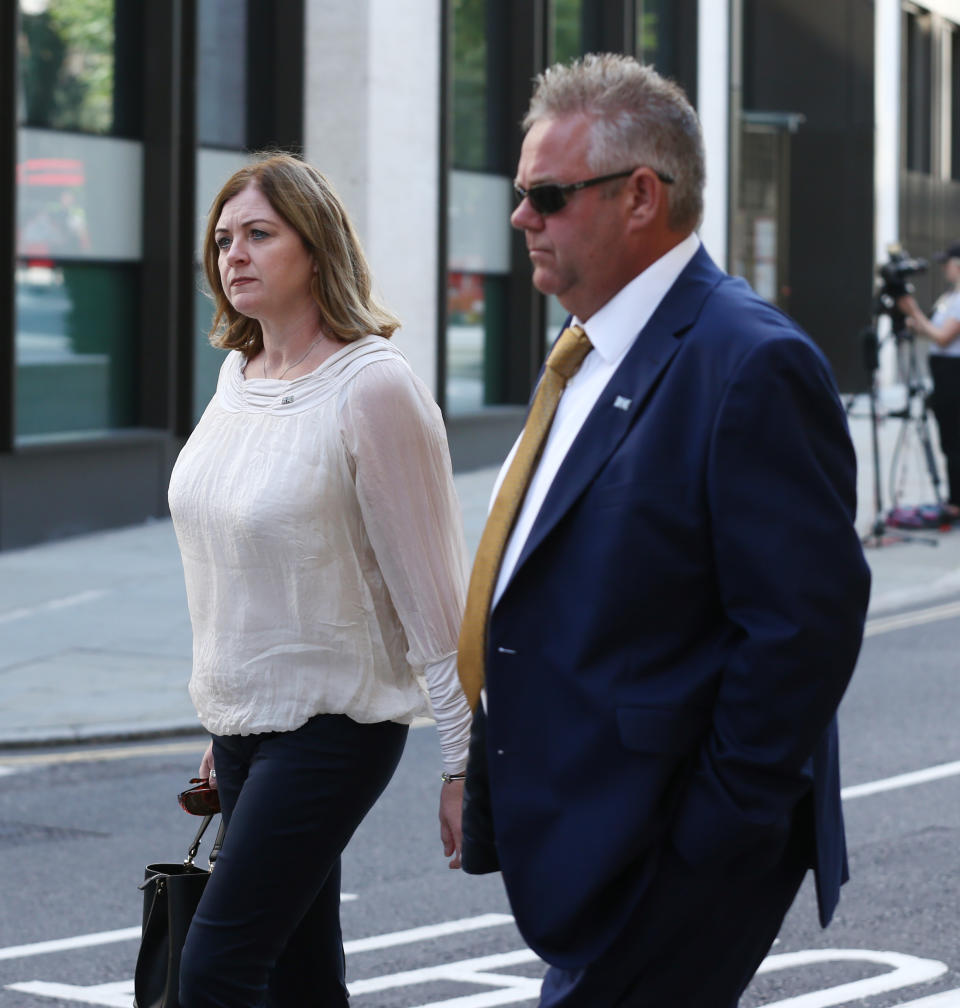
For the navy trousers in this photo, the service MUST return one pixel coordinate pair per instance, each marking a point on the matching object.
(267, 931)
(695, 940)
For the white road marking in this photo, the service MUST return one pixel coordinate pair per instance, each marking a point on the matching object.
(118, 995)
(907, 970)
(465, 971)
(425, 933)
(65, 944)
(110, 995)
(374, 942)
(10, 763)
(945, 999)
(885, 624)
(80, 598)
(510, 989)
(902, 780)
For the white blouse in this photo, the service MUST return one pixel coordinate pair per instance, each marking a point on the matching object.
(323, 550)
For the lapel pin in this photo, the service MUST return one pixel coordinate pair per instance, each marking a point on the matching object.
(622, 402)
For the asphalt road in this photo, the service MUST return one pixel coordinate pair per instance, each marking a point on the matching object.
(77, 827)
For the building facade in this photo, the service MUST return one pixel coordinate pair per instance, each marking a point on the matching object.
(831, 132)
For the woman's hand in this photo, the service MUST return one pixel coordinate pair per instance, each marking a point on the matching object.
(207, 769)
(451, 812)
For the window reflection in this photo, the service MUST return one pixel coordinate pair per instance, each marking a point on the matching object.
(568, 30)
(67, 65)
(476, 313)
(222, 73)
(469, 71)
(75, 346)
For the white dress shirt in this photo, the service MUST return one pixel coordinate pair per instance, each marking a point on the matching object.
(612, 331)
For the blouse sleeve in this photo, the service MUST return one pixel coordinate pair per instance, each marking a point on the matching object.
(394, 434)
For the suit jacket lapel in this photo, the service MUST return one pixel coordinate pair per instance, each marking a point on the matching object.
(625, 395)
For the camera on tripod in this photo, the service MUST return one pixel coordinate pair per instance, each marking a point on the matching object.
(894, 273)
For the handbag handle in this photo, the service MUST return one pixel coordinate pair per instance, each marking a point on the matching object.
(195, 846)
(217, 843)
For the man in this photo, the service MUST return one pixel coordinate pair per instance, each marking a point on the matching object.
(681, 599)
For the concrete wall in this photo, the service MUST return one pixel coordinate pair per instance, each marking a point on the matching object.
(371, 125)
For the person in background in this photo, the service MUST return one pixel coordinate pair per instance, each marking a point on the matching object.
(325, 569)
(943, 330)
(669, 596)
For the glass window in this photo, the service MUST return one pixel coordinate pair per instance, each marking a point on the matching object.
(76, 65)
(78, 197)
(567, 30)
(476, 311)
(76, 346)
(480, 205)
(666, 37)
(954, 98)
(919, 96)
(470, 111)
(78, 243)
(222, 73)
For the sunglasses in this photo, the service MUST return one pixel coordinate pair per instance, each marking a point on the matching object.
(549, 197)
(200, 800)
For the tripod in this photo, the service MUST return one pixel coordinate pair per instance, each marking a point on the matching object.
(879, 534)
(917, 419)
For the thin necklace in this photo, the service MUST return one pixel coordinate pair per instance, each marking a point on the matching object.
(295, 363)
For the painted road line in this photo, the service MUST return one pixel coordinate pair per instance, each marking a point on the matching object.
(412, 935)
(904, 971)
(389, 940)
(945, 999)
(907, 970)
(80, 598)
(99, 755)
(482, 970)
(902, 780)
(885, 624)
(66, 944)
(109, 995)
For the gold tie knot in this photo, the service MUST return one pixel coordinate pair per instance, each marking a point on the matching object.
(568, 353)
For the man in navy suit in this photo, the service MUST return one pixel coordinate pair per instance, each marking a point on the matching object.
(681, 600)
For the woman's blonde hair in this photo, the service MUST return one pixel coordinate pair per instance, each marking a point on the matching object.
(341, 282)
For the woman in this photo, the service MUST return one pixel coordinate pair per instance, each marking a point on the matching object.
(325, 570)
(944, 361)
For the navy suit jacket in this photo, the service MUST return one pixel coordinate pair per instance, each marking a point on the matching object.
(666, 661)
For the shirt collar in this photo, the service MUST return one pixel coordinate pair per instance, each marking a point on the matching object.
(617, 324)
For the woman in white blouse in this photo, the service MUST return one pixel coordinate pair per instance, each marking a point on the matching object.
(325, 571)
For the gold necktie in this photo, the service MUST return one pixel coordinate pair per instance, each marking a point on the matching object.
(562, 364)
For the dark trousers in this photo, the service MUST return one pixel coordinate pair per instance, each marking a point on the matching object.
(267, 931)
(945, 402)
(695, 940)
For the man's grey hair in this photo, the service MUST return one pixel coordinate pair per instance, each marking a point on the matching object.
(639, 118)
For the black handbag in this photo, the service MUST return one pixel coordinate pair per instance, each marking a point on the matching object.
(171, 893)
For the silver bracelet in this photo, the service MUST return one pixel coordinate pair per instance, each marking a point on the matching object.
(447, 777)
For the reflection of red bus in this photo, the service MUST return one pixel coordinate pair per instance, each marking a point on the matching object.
(59, 172)
(51, 219)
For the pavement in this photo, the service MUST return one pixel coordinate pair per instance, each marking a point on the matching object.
(95, 638)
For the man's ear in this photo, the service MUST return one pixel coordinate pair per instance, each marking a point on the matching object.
(647, 197)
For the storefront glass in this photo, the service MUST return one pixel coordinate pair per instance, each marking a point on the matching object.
(79, 210)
